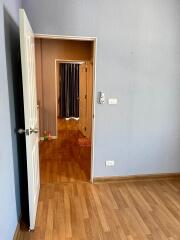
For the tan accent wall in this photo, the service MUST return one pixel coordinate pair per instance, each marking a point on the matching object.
(47, 51)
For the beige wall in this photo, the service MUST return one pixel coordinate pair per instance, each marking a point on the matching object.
(47, 51)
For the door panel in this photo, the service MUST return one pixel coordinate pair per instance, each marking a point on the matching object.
(89, 97)
(83, 99)
(31, 113)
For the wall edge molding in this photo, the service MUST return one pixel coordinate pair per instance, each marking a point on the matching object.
(142, 177)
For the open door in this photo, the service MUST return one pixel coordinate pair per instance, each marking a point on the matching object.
(31, 114)
(83, 98)
(89, 97)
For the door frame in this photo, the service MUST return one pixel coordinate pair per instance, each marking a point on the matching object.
(94, 40)
(59, 61)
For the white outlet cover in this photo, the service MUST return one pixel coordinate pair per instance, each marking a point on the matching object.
(112, 100)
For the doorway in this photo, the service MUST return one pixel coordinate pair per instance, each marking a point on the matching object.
(66, 146)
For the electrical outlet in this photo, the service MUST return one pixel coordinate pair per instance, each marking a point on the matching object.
(110, 163)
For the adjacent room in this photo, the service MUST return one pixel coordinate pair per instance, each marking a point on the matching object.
(64, 77)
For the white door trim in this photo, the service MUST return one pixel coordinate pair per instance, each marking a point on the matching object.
(94, 40)
(65, 37)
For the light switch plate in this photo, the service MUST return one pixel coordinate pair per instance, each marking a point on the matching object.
(109, 163)
(112, 100)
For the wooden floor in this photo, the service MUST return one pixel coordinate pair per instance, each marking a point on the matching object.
(63, 160)
(70, 124)
(71, 208)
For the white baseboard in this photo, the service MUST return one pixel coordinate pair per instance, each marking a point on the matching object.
(52, 137)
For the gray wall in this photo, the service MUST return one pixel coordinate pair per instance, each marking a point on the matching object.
(138, 56)
(9, 180)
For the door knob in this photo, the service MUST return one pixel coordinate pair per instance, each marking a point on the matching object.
(21, 131)
(35, 130)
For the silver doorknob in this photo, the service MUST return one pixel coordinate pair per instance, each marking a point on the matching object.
(35, 130)
(21, 131)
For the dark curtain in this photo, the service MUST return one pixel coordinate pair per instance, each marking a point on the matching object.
(69, 90)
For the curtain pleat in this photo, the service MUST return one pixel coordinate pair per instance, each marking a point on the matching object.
(69, 90)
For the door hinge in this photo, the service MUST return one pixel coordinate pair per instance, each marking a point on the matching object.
(85, 96)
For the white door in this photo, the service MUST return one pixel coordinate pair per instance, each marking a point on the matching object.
(31, 113)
